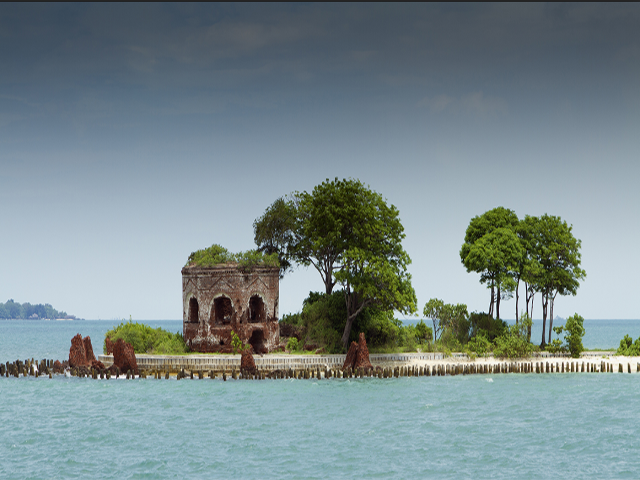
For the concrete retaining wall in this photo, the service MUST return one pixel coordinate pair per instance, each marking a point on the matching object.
(219, 363)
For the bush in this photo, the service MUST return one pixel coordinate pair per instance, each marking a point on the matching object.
(292, 344)
(575, 329)
(484, 324)
(514, 343)
(145, 339)
(479, 345)
(628, 347)
(216, 255)
(424, 333)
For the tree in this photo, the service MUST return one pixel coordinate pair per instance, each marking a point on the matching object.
(349, 234)
(492, 249)
(434, 310)
(330, 221)
(495, 256)
(372, 268)
(448, 317)
(556, 254)
(274, 231)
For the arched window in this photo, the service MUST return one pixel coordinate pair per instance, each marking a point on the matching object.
(256, 310)
(194, 314)
(222, 311)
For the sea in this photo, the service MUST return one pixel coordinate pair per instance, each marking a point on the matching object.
(477, 426)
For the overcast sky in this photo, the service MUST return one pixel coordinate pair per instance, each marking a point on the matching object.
(132, 135)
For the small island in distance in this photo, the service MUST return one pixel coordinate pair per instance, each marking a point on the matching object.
(12, 310)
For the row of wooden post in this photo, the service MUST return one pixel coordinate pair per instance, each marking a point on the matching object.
(45, 368)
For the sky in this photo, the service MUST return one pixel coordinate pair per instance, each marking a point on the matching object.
(133, 135)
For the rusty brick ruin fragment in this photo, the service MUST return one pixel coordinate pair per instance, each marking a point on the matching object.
(88, 349)
(124, 357)
(77, 352)
(224, 298)
(109, 345)
(352, 354)
(247, 363)
(358, 355)
(362, 357)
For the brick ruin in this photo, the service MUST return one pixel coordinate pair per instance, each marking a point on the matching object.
(219, 299)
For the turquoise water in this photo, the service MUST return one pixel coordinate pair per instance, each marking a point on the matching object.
(481, 426)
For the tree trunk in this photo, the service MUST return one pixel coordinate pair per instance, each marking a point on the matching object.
(529, 328)
(517, 296)
(498, 295)
(553, 299)
(347, 332)
(545, 304)
(492, 300)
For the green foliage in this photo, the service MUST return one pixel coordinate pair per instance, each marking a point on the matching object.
(491, 248)
(292, 344)
(453, 319)
(323, 317)
(556, 345)
(145, 339)
(424, 334)
(236, 344)
(628, 347)
(483, 324)
(574, 326)
(217, 255)
(274, 231)
(14, 310)
(514, 343)
(479, 345)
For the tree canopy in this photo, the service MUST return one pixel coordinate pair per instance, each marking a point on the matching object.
(492, 249)
(351, 236)
(541, 251)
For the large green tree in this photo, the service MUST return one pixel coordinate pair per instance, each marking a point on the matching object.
(491, 248)
(351, 236)
(556, 254)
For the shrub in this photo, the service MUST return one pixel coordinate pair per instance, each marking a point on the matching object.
(628, 347)
(514, 343)
(216, 254)
(236, 344)
(424, 333)
(575, 329)
(485, 324)
(292, 344)
(479, 345)
(145, 339)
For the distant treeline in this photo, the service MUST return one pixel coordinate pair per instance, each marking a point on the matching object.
(26, 311)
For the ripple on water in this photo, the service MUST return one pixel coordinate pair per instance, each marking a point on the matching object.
(528, 426)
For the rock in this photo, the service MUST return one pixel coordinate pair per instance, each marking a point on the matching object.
(109, 345)
(362, 356)
(57, 367)
(88, 348)
(124, 357)
(352, 355)
(77, 353)
(98, 365)
(81, 352)
(247, 362)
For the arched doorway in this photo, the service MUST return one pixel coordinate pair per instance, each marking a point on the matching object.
(256, 309)
(222, 311)
(257, 341)
(194, 311)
